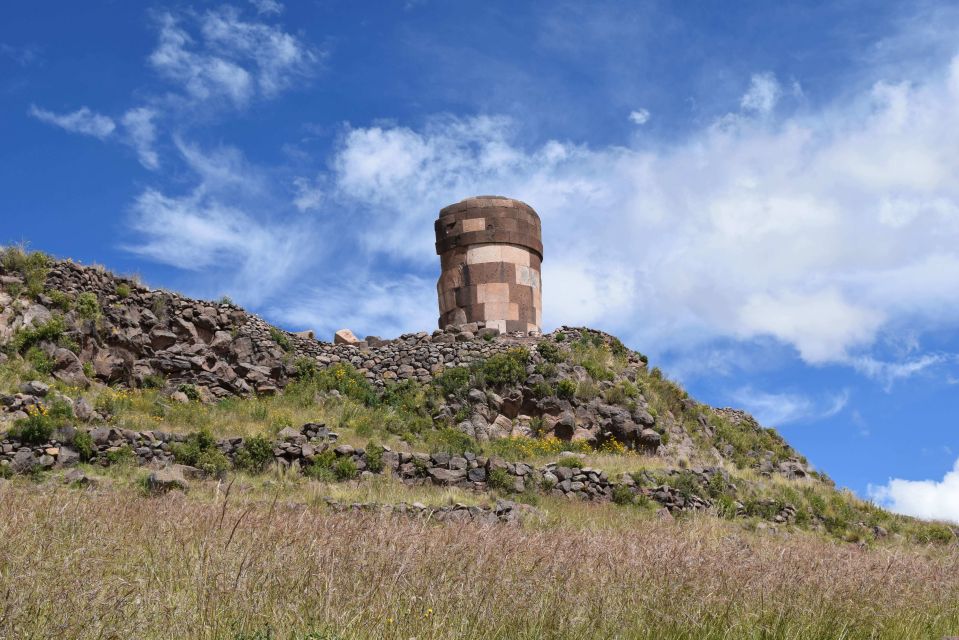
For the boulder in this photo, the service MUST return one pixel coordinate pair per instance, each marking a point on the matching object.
(446, 476)
(24, 461)
(167, 479)
(565, 427)
(345, 336)
(649, 439)
(35, 388)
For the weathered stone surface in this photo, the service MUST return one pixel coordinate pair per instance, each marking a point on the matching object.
(167, 479)
(345, 336)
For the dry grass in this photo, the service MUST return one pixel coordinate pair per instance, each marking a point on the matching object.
(111, 564)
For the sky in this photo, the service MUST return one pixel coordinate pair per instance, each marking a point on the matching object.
(762, 197)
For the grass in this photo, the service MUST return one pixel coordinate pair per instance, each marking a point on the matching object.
(84, 564)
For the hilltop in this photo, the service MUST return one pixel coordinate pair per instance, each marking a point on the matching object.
(138, 395)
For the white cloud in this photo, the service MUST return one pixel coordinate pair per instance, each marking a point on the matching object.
(931, 499)
(822, 230)
(640, 116)
(233, 60)
(23, 55)
(219, 229)
(83, 121)
(309, 196)
(763, 94)
(776, 409)
(141, 135)
(268, 6)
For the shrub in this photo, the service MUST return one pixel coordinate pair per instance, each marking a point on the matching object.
(282, 339)
(88, 306)
(374, 457)
(566, 389)
(89, 370)
(200, 451)
(345, 469)
(6, 472)
(123, 456)
(550, 352)
(345, 379)
(622, 494)
(570, 462)
(506, 368)
(322, 467)
(499, 479)
(559, 336)
(450, 441)
(33, 267)
(61, 300)
(227, 300)
(36, 428)
(123, 290)
(83, 443)
(26, 337)
(542, 389)
(190, 391)
(39, 360)
(454, 381)
(306, 369)
(154, 381)
(255, 454)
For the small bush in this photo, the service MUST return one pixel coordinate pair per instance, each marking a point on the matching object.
(154, 381)
(33, 267)
(559, 336)
(506, 368)
(622, 494)
(227, 300)
(39, 360)
(88, 307)
(190, 391)
(123, 290)
(550, 352)
(255, 454)
(282, 339)
(61, 300)
(6, 472)
(542, 389)
(322, 467)
(83, 443)
(345, 379)
(450, 441)
(374, 457)
(500, 480)
(26, 337)
(200, 451)
(36, 428)
(566, 389)
(345, 469)
(306, 369)
(454, 381)
(123, 456)
(570, 462)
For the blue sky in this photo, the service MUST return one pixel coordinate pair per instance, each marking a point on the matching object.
(761, 198)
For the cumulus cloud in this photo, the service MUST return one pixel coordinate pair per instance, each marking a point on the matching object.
(227, 58)
(820, 230)
(776, 409)
(83, 121)
(640, 116)
(763, 94)
(141, 135)
(931, 499)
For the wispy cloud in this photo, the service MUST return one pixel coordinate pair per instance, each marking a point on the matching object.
(225, 58)
(268, 7)
(931, 499)
(763, 94)
(82, 121)
(141, 135)
(776, 409)
(23, 55)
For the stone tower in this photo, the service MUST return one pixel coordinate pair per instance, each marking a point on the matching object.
(490, 250)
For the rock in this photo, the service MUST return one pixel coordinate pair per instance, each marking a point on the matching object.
(76, 477)
(35, 388)
(565, 426)
(649, 439)
(288, 434)
(446, 476)
(167, 479)
(82, 410)
(664, 515)
(68, 456)
(345, 336)
(24, 461)
(68, 368)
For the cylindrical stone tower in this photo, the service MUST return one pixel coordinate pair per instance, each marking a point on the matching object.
(490, 250)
